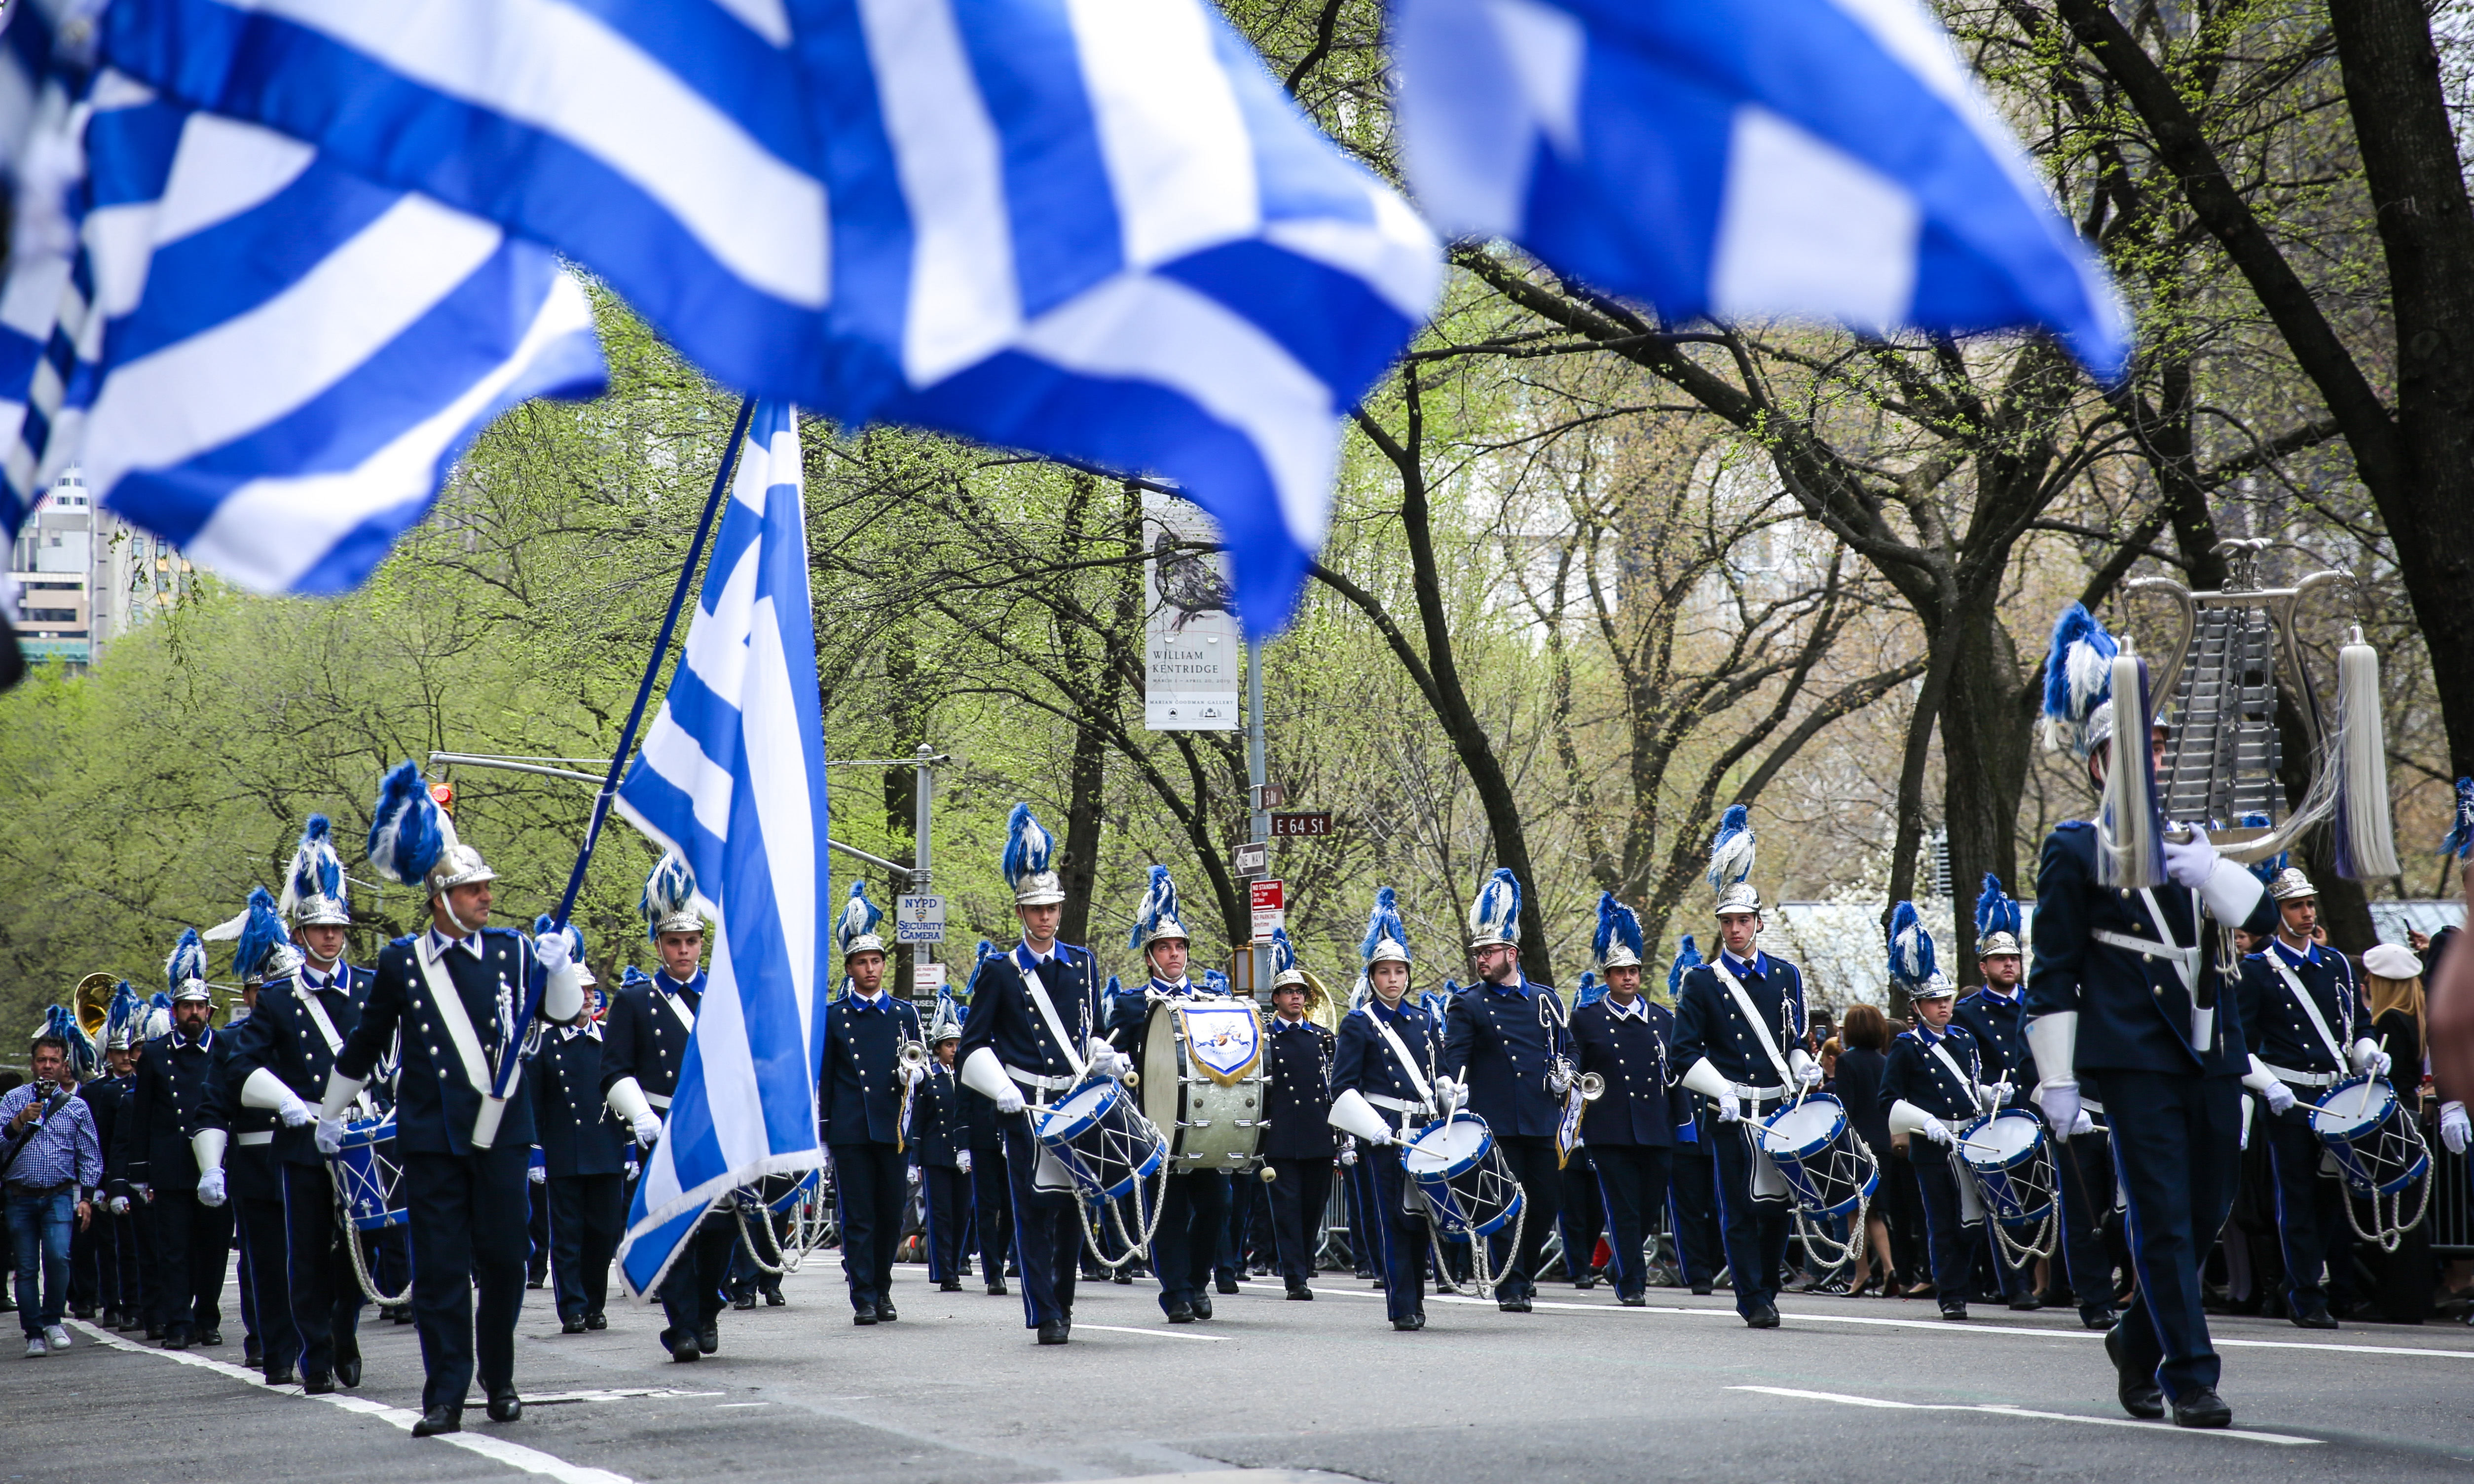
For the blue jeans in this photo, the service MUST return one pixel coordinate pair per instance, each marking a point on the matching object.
(42, 1224)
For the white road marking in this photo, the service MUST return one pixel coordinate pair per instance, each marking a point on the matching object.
(1992, 1410)
(1165, 1334)
(724, 1406)
(620, 1393)
(514, 1455)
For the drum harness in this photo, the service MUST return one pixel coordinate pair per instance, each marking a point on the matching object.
(2014, 1251)
(1484, 1282)
(318, 1018)
(1147, 1220)
(2389, 1225)
(1816, 1244)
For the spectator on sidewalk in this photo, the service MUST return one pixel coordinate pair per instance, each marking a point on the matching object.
(50, 1163)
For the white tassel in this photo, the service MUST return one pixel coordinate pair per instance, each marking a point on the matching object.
(2129, 833)
(2366, 835)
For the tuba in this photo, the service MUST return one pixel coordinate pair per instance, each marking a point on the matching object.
(92, 1000)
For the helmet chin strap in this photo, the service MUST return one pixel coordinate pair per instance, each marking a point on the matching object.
(446, 904)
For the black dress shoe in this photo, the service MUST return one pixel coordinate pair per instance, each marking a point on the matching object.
(1227, 1286)
(1181, 1314)
(348, 1370)
(403, 1313)
(998, 1290)
(708, 1338)
(154, 1332)
(505, 1406)
(2026, 1304)
(1634, 1299)
(2095, 1316)
(1763, 1317)
(176, 1341)
(282, 1376)
(1054, 1332)
(885, 1314)
(537, 1280)
(1409, 1324)
(682, 1347)
(596, 1320)
(2315, 1319)
(212, 1337)
(1121, 1276)
(950, 1285)
(249, 1354)
(862, 1313)
(745, 1301)
(571, 1326)
(1953, 1311)
(2202, 1409)
(1301, 1293)
(438, 1419)
(315, 1385)
(1516, 1304)
(773, 1298)
(1202, 1305)
(1585, 1282)
(1702, 1289)
(2139, 1394)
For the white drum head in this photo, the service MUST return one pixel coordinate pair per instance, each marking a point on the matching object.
(2355, 1109)
(1083, 1106)
(1444, 1148)
(1810, 1125)
(2002, 1142)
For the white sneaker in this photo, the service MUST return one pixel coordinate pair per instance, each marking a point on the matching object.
(56, 1337)
(34, 1348)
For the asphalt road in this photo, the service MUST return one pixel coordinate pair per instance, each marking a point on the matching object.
(1581, 1391)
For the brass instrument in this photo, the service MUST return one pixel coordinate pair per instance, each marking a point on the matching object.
(92, 1000)
(912, 1061)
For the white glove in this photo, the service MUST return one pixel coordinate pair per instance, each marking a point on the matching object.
(552, 952)
(2188, 862)
(634, 1169)
(1348, 1153)
(145, 1192)
(647, 1127)
(538, 1174)
(296, 1113)
(962, 1162)
(2456, 1130)
(210, 1188)
(1730, 1110)
(562, 987)
(1997, 1095)
(2060, 1101)
(2230, 892)
(2367, 1057)
(2277, 1096)
(120, 1203)
(2084, 1123)
(1808, 1071)
(1448, 1094)
(330, 1138)
(1009, 1100)
(1934, 1128)
(914, 1174)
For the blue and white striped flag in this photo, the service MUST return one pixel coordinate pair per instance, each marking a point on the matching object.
(1092, 228)
(731, 777)
(1822, 159)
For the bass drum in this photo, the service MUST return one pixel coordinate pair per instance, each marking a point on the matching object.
(1202, 1082)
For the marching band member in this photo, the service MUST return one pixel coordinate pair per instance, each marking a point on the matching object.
(1692, 1186)
(937, 1150)
(2303, 1013)
(1996, 1014)
(1385, 1075)
(1194, 1206)
(583, 1150)
(114, 1241)
(281, 1056)
(2124, 999)
(1740, 1026)
(643, 1047)
(1935, 1085)
(984, 1159)
(1297, 1145)
(1630, 1129)
(263, 959)
(858, 1091)
(456, 992)
(1501, 1038)
(1031, 1031)
(172, 1155)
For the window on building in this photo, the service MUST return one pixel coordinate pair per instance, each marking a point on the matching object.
(52, 616)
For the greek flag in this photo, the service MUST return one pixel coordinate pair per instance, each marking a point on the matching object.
(1091, 229)
(731, 777)
(1743, 158)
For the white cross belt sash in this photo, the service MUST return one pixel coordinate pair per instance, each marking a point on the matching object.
(2310, 1007)
(1056, 1024)
(468, 1045)
(316, 1010)
(679, 1008)
(1768, 1185)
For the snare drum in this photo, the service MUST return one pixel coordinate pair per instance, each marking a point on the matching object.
(1468, 1183)
(1818, 1155)
(1101, 1140)
(1204, 1082)
(368, 1181)
(2377, 1148)
(2012, 1163)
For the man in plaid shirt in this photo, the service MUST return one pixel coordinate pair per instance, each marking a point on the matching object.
(51, 1164)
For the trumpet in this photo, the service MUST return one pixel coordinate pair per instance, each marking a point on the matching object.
(912, 1060)
(1594, 1086)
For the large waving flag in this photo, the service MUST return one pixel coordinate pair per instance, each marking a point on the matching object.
(1092, 228)
(1803, 159)
(731, 777)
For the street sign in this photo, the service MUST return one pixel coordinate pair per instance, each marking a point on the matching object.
(1289, 826)
(1253, 859)
(919, 919)
(1268, 907)
(1270, 796)
(926, 979)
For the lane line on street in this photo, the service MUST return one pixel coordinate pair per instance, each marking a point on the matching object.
(1841, 1399)
(515, 1455)
(1165, 1334)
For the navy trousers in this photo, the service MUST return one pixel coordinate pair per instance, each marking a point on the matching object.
(586, 1222)
(2083, 1169)
(692, 1292)
(1398, 1236)
(1754, 1233)
(2311, 1224)
(263, 1246)
(1947, 1243)
(1047, 1231)
(1299, 1196)
(1365, 1232)
(468, 1216)
(992, 1210)
(1535, 1166)
(1692, 1209)
(1194, 1220)
(2177, 1140)
(1632, 1181)
(872, 1181)
(945, 1201)
(326, 1297)
(192, 1245)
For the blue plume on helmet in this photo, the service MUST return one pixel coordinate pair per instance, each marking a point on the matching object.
(669, 891)
(1911, 947)
(2460, 842)
(1995, 911)
(1731, 851)
(1497, 907)
(631, 976)
(2264, 870)
(188, 961)
(2079, 677)
(1687, 959)
(980, 957)
(1591, 990)
(61, 1021)
(542, 927)
(1159, 906)
(1284, 953)
(316, 870)
(122, 1019)
(259, 936)
(858, 919)
(406, 834)
(1028, 846)
(1618, 923)
(1383, 923)
(1215, 982)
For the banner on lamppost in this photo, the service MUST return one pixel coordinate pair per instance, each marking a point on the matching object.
(1192, 649)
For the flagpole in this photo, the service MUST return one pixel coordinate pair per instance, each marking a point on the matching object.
(601, 801)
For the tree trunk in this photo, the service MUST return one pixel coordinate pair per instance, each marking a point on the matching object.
(1985, 738)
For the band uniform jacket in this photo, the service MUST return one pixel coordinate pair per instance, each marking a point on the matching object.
(436, 1101)
(1708, 1023)
(281, 1037)
(178, 1089)
(934, 1137)
(1641, 1105)
(860, 1085)
(2279, 1030)
(645, 1037)
(2000, 1027)
(249, 1169)
(1296, 1091)
(1496, 1042)
(105, 1099)
(1004, 1018)
(577, 1132)
(1362, 1060)
(2134, 1008)
(1917, 1076)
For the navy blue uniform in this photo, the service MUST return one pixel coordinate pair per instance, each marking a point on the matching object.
(991, 1190)
(1708, 1026)
(860, 1105)
(2311, 1222)
(177, 1090)
(255, 1183)
(102, 1256)
(1630, 1130)
(469, 1206)
(1194, 1204)
(1916, 1075)
(936, 1140)
(1298, 1144)
(2175, 1106)
(1363, 1062)
(1498, 1041)
(645, 1036)
(1999, 1022)
(584, 1158)
(1048, 1227)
